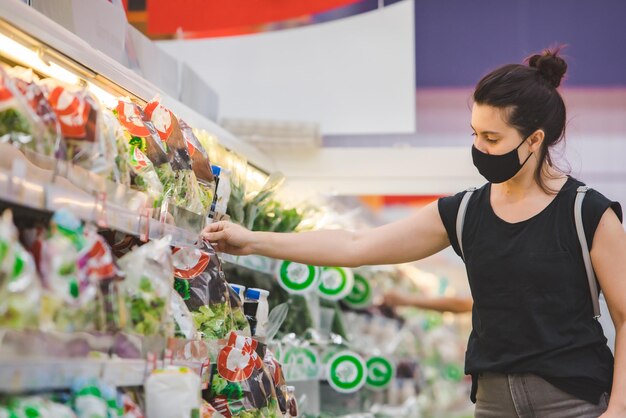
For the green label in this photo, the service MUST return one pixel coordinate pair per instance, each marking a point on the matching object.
(361, 294)
(300, 363)
(297, 278)
(335, 283)
(380, 372)
(347, 372)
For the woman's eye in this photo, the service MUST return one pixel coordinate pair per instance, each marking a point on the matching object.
(491, 140)
(474, 134)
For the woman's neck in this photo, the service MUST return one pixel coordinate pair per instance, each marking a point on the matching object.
(523, 184)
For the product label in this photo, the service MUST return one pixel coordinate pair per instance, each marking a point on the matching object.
(161, 119)
(237, 360)
(129, 116)
(72, 112)
(301, 363)
(361, 294)
(335, 283)
(347, 372)
(380, 372)
(297, 278)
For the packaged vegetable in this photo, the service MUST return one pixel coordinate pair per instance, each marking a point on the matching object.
(200, 164)
(79, 114)
(146, 288)
(35, 406)
(241, 385)
(144, 141)
(71, 301)
(186, 192)
(278, 377)
(20, 288)
(49, 140)
(17, 120)
(209, 293)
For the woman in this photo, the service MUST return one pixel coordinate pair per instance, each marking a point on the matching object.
(535, 349)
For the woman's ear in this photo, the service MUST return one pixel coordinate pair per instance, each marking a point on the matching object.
(535, 140)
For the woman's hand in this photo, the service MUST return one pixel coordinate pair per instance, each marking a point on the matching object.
(228, 237)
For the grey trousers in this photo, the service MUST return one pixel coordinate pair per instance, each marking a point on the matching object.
(529, 396)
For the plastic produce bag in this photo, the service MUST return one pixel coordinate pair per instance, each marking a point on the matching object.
(79, 114)
(48, 139)
(35, 406)
(200, 164)
(173, 392)
(209, 293)
(94, 399)
(144, 141)
(241, 385)
(241, 324)
(275, 370)
(186, 191)
(71, 300)
(147, 287)
(20, 288)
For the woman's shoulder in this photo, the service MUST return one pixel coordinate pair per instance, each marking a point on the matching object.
(595, 202)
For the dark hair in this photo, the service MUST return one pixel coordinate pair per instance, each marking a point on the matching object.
(529, 94)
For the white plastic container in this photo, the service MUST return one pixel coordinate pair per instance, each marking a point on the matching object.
(173, 392)
(262, 311)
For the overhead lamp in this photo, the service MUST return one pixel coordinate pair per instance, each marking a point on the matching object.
(105, 97)
(30, 58)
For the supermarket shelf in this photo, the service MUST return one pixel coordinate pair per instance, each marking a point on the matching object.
(25, 184)
(36, 374)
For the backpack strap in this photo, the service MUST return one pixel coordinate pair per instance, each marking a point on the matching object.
(580, 230)
(460, 218)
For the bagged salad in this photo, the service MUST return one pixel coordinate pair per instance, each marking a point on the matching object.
(241, 386)
(200, 165)
(185, 191)
(20, 288)
(147, 287)
(80, 117)
(72, 300)
(208, 294)
(144, 141)
(47, 138)
(35, 406)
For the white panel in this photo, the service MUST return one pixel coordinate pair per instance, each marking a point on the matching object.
(354, 75)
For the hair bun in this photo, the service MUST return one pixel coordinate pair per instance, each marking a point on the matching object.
(551, 67)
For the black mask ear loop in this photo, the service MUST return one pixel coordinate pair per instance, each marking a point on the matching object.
(529, 155)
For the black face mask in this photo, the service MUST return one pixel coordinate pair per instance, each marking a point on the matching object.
(498, 168)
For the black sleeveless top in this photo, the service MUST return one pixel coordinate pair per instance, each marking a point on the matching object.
(532, 307)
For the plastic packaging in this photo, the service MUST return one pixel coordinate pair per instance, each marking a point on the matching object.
(186, 192)
(35, 406)
(250, 308)
(147, 287)
(20, 288)
(201, 166)
(237, 297)
(79, 114)
(239, 290)
(71, 301)
(209, 300)
(47, 139)
(292, 408)
(241, 385)
(173, 392)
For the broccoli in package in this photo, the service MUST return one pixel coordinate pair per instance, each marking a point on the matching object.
(20, 289)
(241, 386)
(207, 295)
(147, 287)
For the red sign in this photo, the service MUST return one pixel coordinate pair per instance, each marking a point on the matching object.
(166, 16)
